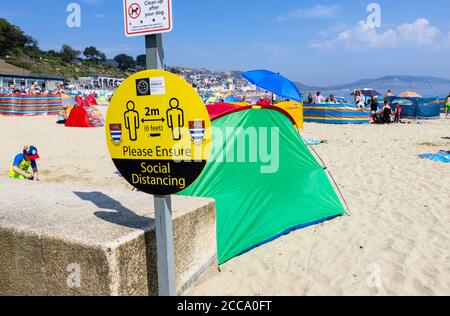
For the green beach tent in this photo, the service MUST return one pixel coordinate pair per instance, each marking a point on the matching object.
(260, 199)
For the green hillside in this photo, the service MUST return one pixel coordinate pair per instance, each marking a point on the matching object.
(22, 50)
(45, 64)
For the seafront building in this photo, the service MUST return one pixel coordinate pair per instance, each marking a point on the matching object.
(19, 79)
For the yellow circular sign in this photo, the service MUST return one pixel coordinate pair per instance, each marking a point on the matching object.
(158, 132)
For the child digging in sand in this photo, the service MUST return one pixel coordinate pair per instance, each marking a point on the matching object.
(23, 162)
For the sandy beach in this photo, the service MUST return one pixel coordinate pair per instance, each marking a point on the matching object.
(396, 241)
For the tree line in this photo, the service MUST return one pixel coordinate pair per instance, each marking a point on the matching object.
(14, 42)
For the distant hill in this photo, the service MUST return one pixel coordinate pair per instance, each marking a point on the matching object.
(427, 86)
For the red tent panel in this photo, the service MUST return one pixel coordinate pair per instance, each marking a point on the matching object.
(90, 100)
(78, 118)
(218, 110)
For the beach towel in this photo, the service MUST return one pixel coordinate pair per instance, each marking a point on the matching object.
(442, 156)
(312, 142)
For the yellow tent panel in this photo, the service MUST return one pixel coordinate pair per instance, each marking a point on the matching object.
(241, 103)
(295, 109)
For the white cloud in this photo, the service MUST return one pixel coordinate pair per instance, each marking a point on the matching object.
(335, 28)
(363, 36)
(419, 32)
(317, 11)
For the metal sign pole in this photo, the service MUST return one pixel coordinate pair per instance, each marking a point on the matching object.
(163, 204)
(155, 51)
(164, 245)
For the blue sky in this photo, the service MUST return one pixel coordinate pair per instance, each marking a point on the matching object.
(310, 41)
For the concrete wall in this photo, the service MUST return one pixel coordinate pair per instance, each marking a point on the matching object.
(49, 233)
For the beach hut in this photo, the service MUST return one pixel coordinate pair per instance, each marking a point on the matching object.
(265, 181)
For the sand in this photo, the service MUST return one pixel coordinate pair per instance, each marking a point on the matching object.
(74, 156)
(396, 241)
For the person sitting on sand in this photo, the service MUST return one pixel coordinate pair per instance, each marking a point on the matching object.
(447, 106)
(384, 115)
(23, 162)
(63, 115)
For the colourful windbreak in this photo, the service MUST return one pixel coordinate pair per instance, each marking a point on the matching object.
(261, 199)
(29, 105)
(335, 114)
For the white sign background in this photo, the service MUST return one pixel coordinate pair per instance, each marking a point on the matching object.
(144, 17)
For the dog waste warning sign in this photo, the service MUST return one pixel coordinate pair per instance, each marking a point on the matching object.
(158, 132)
(144, 17)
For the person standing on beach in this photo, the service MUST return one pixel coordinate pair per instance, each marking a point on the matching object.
(310, 99)
(318, 98)
(12, 89)
(447, 106)
(33, 89)
(388, 95)
(60, 89)
(374, 106)
(23, 162)
(360, 100)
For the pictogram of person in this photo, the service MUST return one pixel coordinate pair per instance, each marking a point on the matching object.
(175, 118)
(132, 121)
